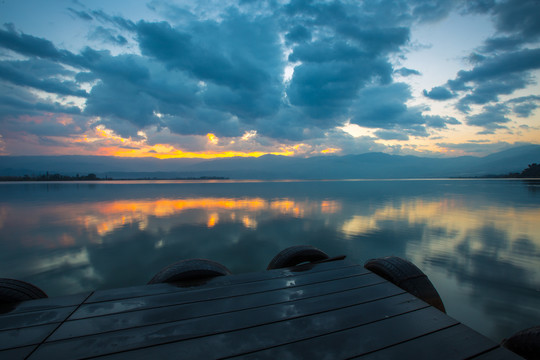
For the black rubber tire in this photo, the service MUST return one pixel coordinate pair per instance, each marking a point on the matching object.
(12, 291)
(190, 270)
(407, 276)
(295, 255)
(525, 343)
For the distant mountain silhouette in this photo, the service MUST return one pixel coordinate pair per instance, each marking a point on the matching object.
(364, 166)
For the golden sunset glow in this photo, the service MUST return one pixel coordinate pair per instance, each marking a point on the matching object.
(330, 151)
(111, 144)
(212, 138)
(172, 153)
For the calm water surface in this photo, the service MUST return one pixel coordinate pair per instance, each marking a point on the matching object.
(477, 240)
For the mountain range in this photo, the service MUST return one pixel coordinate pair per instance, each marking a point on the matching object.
(363, 166)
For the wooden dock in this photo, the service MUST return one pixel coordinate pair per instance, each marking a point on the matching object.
(330, 310)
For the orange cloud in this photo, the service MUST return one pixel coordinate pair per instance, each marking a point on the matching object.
(330, 151)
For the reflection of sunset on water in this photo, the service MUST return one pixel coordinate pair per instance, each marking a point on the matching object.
(101, 218)
(119, 213)
(451, 214)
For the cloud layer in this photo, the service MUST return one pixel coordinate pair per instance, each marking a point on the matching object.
(261, 75)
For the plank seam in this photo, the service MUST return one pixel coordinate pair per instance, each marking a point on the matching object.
(329, 333)
(244, 309)
(403, 341)
(233, 296)
(483, 352)
(225, 285)
(56, 328)
(274, 322)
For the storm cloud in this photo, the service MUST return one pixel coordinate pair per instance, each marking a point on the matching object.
(286, 72)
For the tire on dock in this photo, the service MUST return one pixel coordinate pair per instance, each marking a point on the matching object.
(12, 291)
(525, 343)
(408, 277)
(296, 255)
(190, 271)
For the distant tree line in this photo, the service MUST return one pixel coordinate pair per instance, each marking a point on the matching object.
(533, 171)
(92, 177)
(52, 177)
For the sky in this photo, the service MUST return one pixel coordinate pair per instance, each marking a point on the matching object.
(216, 78)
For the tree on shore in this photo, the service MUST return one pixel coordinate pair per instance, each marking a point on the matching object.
(532, 171)
(50, 177)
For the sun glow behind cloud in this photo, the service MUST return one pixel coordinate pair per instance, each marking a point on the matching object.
(104, 141)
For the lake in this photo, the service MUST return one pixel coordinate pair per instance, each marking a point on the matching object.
(477, 240)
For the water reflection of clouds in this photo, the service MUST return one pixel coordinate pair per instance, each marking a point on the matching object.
(105, 217)
(484, 255)
(455, 216)
(101, 218)
(481, 245)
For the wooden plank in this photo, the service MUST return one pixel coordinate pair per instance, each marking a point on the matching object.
(499, 353)
(197, 294)
(43, 304)
(125, 320)
(199, 327)
(456, 342)
(221, 281)
(25, 336)
(26, 319)
(290, 330)
(353, 341)
(17, 353)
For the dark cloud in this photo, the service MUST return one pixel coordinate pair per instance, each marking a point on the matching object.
(108, 35)
(489, 90)
(327, 89)
(222, 72)
(207, 120)
(239, 61)
(27, 44)
(491, 118)
(502, 43)
(515, 20)
(432, 10)
(439, 93)
(349, 53)
(81, 14)
(440, 122)
(518, 17)
(31, 73)
(524, 110)
(11, 106)
(298, 34)
(291, 123)
(17, 101)
(391, 135)
(206, 58)
(132, 90)
(118, 21)
(407, 72)
(509, 63)
(385, 107)
(503, 64)
(481, 147)
(524, 106)
(491, 77)
(109, 102)
(478, 6)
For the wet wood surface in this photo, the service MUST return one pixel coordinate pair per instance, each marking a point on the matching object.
(329, 310)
